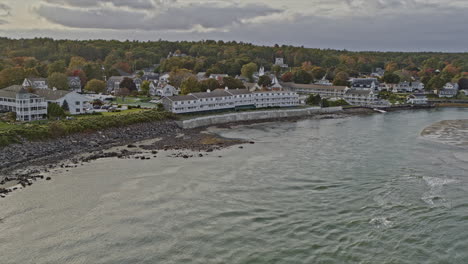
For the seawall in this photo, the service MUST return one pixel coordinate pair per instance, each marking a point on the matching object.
(254, 115)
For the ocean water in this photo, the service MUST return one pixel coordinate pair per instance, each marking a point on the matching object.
(363, 189)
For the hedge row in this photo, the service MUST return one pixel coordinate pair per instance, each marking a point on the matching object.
(55, 129)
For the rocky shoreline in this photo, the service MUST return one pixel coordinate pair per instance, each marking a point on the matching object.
(21, 164)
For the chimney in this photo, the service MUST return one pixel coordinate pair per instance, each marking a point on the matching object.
(226, 88)
(208, 91)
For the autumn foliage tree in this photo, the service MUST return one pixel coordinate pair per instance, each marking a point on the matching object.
(96, 86)
(287, 77)
(58, 80)
(248, 70)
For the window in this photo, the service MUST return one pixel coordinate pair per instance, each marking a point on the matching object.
(77, 103)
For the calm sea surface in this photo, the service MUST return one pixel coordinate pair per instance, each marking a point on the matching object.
(364, 189)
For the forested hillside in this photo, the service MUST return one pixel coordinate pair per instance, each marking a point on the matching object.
(95, 59)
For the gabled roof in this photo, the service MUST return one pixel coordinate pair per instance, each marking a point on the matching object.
(48, 94)
(215, 93)
(359, 92)
(236, 91)
(313, 86)
(181, 98)
(364, 81)
(116, 78)
(7, 94)
(34, 79)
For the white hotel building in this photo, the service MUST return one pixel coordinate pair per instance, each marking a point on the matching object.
(229, 99)
(27, 106)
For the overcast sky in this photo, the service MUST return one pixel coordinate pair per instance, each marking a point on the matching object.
(407, 25)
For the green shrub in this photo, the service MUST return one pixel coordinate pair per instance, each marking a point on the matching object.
(54, 110)
(55, 129)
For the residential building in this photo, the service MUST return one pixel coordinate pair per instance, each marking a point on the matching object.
(417, 99)
(324, 81)
(27, 106)
(275, 84)
(36, 83)
(77, 103)
(276, 99)
(408, 87)
(361, 97)
(325, 91)
(201, 76)
(218, 77)
(449, 90)
(138, 81)
(365, 84)
(74, 83)
(379, 72)
(113, 83)
(165, 91)
(280, 62)
(226, 99)
(252, 86)
(164, 78)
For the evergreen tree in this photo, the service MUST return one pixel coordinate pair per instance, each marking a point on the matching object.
(65, 106)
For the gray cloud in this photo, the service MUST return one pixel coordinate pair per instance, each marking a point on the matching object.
(136, 4)
(4, 10)
(170, 18)
(385, 25)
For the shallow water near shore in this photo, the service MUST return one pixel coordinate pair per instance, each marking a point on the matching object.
(362, 189)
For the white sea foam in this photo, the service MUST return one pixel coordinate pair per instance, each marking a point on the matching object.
(381, 222)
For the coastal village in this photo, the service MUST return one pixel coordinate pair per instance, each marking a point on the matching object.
(256, 89)
(137, 91)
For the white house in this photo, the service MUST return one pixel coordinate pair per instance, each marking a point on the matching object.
(113, 83)
(365, 84)
(449, 90)
(36, 83)
(74, 83)
(408, 87)
(77, 103)
(218, 77)
(166, 90)
(27, 106)
(361, 97)
(324, 81)
(280, 62)
(417, 99)
(275, 84)
(164, 78)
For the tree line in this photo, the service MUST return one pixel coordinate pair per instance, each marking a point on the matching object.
(97, 59)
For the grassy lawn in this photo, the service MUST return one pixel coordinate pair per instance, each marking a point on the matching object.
(4, 125)
(134, 110)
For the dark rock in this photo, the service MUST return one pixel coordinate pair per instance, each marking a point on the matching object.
(251, 142)
(131, 146)
(48, 178)
(200, 155)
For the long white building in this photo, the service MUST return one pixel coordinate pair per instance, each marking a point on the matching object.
(229, 99)
(325, 91)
